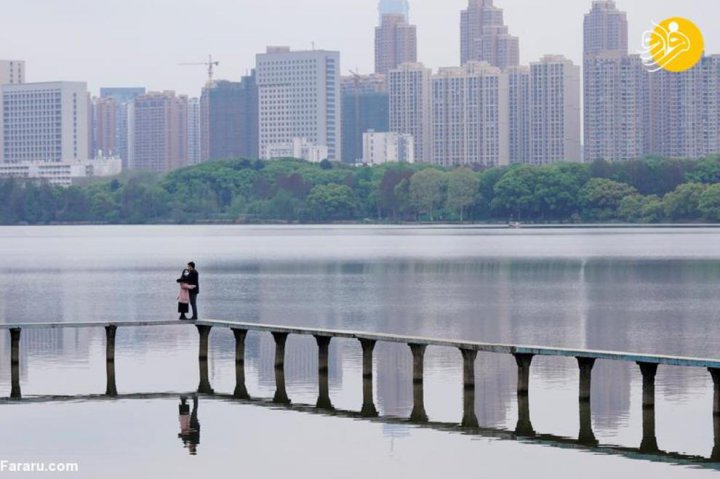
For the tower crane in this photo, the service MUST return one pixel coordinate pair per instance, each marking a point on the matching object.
(210, 64)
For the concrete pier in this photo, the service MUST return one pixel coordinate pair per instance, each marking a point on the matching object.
(586, 435)
(715, 373)
(715, 456)
(524, 425)
(281, 396)
(469, 418)
(523, 363)
(110, 385)
(204, 387)
(204, 332)
(649, 440)
(368, 345)
(323, 401)
(15, 345)
(368, 405)
(586, 366)
(418, 413)
(15, 392)
(240, 388)
(648, 371)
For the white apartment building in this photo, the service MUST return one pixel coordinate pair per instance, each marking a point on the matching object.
(554, 110)
(387, 147)
(409, 87)
(470, 116)
(519, 114)
(299, 97)
(44, 122)
(299, 148)
(616, 107)
(12, 72)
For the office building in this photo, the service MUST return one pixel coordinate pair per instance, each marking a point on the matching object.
(299, 97)
(299, 148)
(193, 131)
(44, 122)
(395, 43)
(12, 72)
(365, 106)
(387, 147)
(123, 96)
(158, 132)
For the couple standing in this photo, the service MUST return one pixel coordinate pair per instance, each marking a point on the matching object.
(189, 282)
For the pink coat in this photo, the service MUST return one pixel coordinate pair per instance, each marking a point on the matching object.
(184, 295)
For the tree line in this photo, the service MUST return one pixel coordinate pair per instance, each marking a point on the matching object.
(644, 191)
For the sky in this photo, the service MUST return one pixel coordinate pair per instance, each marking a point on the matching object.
(141, 42)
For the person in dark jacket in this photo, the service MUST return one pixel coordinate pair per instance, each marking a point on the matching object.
(191, 276)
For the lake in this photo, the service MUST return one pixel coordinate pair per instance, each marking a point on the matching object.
(644, 290)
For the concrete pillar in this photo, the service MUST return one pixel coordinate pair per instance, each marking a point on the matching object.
(469, 417)
(323, 401)
(648, 371)
(586, 366)
(368, 345)
(715, 373)
(110, 331)
(204, 332)
(280, 396)
(418, 412)
(15, 392)
(240, 388)
(586, 436)
(649, 441)
(368, 406)
(715, 456)
(524, 426)
(523, 362)
(110, 386)
(204, 387)
(15, 345)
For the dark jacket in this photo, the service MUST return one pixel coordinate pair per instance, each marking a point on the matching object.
(190, 277)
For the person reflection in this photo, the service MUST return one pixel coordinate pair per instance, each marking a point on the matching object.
(189, 424)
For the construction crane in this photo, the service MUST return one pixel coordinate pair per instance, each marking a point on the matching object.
(210, 64)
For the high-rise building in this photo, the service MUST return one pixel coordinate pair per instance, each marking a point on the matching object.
(193, 131)
(158, 127)
(12, 72)
(519, 114)
(395, 42)
(470, 116)
(299, 97)
(410, 88)
(484, 36)
(365, 106)
(616, 107)
(684, 119)
(105, 130)
(605, 29)
(230, 116)
(43, 122)
(554, 110)
(123, 96)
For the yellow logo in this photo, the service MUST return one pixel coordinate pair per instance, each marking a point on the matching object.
(675, 45)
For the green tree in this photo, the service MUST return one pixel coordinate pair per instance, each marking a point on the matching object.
(462, 190)
(600, 198)
(684, 202)
(514, 193)
(710, 203)
(427, 191)
(332, 202)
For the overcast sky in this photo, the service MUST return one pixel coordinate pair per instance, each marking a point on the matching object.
(140, 42)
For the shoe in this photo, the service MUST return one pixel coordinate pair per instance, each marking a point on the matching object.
(182, 316)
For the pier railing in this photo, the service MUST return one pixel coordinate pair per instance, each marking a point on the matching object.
(523, 355)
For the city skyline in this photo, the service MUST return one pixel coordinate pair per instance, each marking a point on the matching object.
(235, 39)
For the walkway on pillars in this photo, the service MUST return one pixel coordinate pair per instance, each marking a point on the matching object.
(523, 355)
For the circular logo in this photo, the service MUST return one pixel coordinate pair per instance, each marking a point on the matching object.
(675, 44)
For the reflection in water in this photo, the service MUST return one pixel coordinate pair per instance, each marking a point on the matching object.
(189, 424)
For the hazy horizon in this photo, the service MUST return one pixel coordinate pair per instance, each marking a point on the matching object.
(135, 43)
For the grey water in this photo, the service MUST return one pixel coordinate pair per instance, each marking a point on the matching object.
(637, 290)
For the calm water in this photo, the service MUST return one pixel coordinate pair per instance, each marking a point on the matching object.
(654, 291)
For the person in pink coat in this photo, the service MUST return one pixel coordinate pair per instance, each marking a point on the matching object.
(184, 299)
